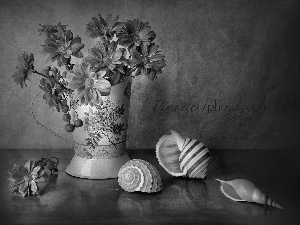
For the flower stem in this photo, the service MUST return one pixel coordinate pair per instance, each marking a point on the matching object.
(56, 81)
(34, 71)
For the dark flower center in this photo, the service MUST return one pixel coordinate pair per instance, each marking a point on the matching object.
(64, 48)
(146, 60)
(109, 34)
(89, 82)
(136, 39)
(107, 61)
(27, 178)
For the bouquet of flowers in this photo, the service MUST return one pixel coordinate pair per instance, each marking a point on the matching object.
(122, 49)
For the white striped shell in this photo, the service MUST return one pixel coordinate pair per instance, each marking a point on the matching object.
(139, 175)
(244, 190)
(182, 156)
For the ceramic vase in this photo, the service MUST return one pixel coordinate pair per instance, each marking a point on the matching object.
(100, 144)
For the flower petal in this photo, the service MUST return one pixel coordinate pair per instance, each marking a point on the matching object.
(79, 94)
(77, 79)
(23, 189)
(69, 76)
(75, 86)
(40, 180)
(144, 71)
(102, 21)
(78, 54)
(97, 97)
(36, 169)
(113, 22)
(76, 40)
(87, 95)
(33, 187)
(136, 72)
(118, 27)
(144, 32)
(102, 84)
(101, 48)
(135, 54)
(108, 18)
(68, 35)
(27, 165)
(153, 50)
(41, 173)
(111, 67)
(93, 60)
(118, 54)
(76, 47)
(101, 74)
(18, 173)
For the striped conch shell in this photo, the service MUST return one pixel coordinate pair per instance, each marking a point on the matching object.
(244, 190)
(139, 175)
(182, 156)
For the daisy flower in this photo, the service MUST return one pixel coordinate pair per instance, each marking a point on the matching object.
(89, 86)
(134, 33)
(105, 29)
(106, 56)
(149, 62)
(61, 46)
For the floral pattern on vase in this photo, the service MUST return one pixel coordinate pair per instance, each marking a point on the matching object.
(103, 122)
(104, 132)
(100, 144)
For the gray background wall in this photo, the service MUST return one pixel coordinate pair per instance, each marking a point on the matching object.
(242, 56)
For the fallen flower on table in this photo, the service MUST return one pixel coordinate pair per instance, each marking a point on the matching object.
(25, 179)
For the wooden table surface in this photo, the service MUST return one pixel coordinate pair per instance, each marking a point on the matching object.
(70, 200)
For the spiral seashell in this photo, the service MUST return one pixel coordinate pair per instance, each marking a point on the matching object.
(182, 156)
(244, 190)
(139, 175)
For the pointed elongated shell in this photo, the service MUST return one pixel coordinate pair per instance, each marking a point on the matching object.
(139, 175)
(244, 190)
(182, 156)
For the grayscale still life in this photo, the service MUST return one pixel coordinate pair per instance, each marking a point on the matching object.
(149, 112)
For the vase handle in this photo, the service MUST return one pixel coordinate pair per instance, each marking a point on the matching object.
(43, 126)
